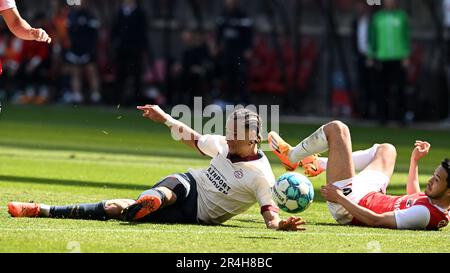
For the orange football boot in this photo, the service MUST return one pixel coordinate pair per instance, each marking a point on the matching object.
(281, 149)
(311, 166)
(19, 209)
(143, 207)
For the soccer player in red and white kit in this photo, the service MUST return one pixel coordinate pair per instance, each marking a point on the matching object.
(361, 199)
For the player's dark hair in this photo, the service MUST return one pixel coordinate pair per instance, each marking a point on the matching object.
(252, 121)
(446, 165)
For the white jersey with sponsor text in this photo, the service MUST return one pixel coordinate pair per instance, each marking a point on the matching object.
(7, 4)
(229, 187)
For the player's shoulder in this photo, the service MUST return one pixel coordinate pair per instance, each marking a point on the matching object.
(423, 205)
(436, 217)
(212, 145)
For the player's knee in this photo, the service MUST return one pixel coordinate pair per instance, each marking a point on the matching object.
(114, 208)
(170, 196)
(337, 127)
(388, 150)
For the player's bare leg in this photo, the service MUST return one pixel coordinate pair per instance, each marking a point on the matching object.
(314, 165)
(361, 159)
(340, 162)
(334, 136)
(384, 160)
(170, 196)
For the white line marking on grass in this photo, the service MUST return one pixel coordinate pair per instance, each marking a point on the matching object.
(306, 233)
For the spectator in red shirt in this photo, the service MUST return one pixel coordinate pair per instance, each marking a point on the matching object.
(33, 74)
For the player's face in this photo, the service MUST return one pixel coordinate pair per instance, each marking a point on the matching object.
(437, 184)
(237, 146)
(238, 139)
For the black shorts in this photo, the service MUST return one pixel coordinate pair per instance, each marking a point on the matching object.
(184, 211)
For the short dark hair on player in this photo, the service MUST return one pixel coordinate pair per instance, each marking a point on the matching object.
(251, 120)
(446, 165)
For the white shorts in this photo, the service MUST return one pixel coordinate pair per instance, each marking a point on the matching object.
(355, 189)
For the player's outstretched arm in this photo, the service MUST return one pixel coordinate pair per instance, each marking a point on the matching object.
(273, 221)
(421, 149)
(180, 130)
(22, 29)
(333, 194)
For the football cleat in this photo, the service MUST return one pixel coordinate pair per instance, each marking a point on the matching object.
(19, 209)
(311, 166)
(281, 149)
(143, 207)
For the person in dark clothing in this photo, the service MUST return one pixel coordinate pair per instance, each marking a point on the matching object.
(234, 39)
(196, 67)
(81, 55)
(34, 69)
(366, 99)
(390, 49)
(130, 44)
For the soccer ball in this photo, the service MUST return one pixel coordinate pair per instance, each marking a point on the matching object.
(293, 192)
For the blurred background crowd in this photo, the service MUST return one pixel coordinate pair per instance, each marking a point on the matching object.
(343, 58)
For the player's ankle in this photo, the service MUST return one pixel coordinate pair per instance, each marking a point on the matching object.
(44, 210)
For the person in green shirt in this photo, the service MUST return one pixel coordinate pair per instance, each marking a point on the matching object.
(389, 50)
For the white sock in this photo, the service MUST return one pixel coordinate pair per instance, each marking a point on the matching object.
(44, 211)
(314, 144)
(361, 159)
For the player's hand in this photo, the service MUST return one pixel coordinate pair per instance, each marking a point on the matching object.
(40, 35)
(291, 224)
(153, 112)
(331, 193)
(421, 149)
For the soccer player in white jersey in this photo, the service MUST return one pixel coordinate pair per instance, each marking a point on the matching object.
(18, 25)
(239, 175)
(361, 199)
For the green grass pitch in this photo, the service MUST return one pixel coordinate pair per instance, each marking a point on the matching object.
(68, 155)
